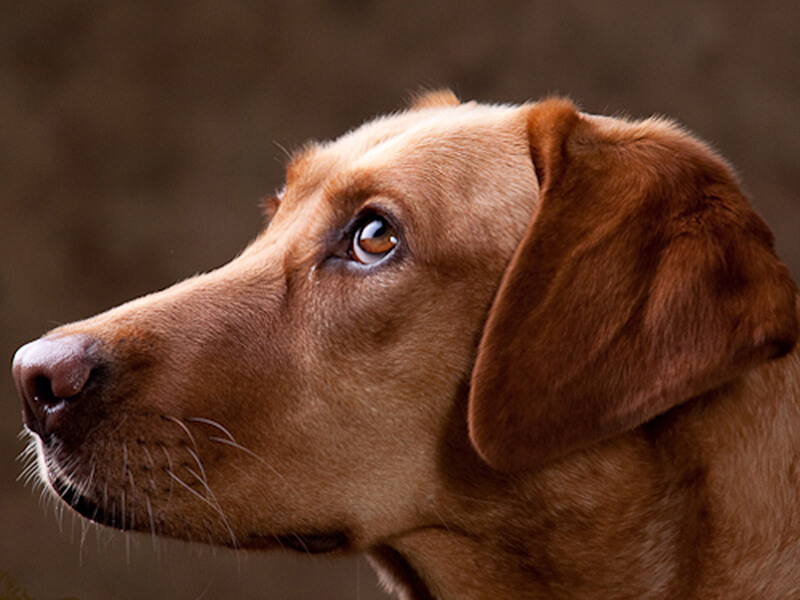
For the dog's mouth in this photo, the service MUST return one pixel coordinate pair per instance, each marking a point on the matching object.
(317, 542)
(112, 514)
(306, 543)
(84, 506)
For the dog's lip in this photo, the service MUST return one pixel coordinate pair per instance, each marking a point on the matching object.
(306, 543)
(84, 506)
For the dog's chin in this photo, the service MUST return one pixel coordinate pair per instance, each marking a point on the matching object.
(84, 506)
(307, 543)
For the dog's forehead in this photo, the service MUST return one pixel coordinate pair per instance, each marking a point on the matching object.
(414, 127)
(409, 138)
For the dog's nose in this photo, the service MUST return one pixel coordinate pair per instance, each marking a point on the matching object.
(50, 373)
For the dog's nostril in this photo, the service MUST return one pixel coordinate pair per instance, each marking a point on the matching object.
(49, 373)
(43, 390)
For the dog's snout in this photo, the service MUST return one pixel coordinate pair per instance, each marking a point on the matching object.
(50, 373)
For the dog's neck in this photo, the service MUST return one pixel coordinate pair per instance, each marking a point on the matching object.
(651, 514)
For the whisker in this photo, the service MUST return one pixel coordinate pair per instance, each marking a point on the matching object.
(29, 465)
(58, 508)
(122, 493)
(199, 464)
(81, 547)
(149, 456)
(441, 519)
(184, 427)
(133, 506)
(212, 423)
(85, 486)
(248, 452)
(26, 433)
(152, 522)
(205, 591)
(28, 473)
(96, 537)
(283, 149)
(474, 499)
(72, 532)
(124, 457)
(29, 450)
(213, 498)
(302, 543)
(169, 467)
(152, 464)
(182, 483)
(130, 479)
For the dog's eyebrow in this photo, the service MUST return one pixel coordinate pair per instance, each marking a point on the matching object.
(346, 189)
(300, 162)
(357, 185)
(348, 192)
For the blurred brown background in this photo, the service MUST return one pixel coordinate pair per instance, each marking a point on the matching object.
(136, 139)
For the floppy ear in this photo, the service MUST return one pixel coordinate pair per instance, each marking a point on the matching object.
(644, 279)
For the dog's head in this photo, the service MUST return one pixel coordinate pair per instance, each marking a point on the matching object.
(559, 277)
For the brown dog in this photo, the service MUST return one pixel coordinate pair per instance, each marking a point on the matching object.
(509, 352)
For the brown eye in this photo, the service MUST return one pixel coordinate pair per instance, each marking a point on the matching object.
(373, 241)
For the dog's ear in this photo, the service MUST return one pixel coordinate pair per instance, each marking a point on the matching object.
(644, 279)
(434, 99)
(270, 206)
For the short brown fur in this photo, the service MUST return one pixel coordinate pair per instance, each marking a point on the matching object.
(574, 377)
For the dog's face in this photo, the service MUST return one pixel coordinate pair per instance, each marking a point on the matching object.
(298, 395)
(457, 293)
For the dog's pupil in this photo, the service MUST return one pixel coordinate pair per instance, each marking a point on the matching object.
(376, 237)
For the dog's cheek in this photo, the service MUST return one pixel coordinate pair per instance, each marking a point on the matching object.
(385, 359)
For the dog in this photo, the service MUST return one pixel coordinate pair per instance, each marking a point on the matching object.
(505, 351)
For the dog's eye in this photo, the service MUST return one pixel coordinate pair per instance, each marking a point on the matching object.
(373, 241)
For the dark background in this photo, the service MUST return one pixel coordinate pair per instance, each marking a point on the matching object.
(136, 139)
